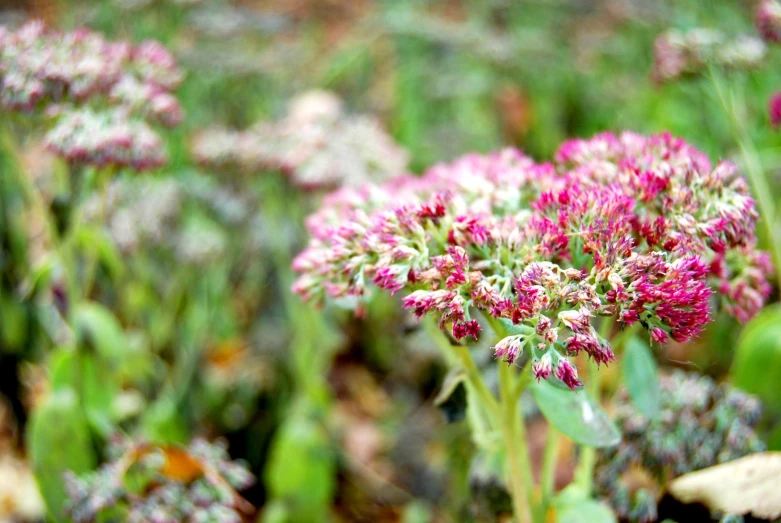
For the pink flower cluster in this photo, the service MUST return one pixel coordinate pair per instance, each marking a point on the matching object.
(678, 54)
(61, 74)
(106, 138)
(768, 20)
(633, 227)
(317, 144)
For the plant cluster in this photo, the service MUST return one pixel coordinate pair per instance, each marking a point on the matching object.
(678, 53)
(100, 96)
(700, 423)
(638, 228)
(317, 144)
(142, 482)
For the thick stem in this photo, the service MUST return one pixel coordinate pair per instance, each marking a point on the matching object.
(548, 476)
(518, 469)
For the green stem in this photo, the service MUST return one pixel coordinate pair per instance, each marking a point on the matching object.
(93, 259)
(548, 476)
(754, 170)
(515, 443)
(464, 359)
(584, 474)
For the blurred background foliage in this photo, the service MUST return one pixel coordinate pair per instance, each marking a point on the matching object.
(333, 414)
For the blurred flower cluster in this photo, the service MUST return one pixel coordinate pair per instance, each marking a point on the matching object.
(678, 53)
(768, 20)
(632, 227)
(102, 95)
(143, 214)
(700, 423)
(316, 144)
(144, 482)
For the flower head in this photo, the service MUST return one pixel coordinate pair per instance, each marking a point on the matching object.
(639, 228)
(678, 54)
(774, 110)
(107, 138)
(767, 18)
(316, 143)
(99, 96)
(179, 484)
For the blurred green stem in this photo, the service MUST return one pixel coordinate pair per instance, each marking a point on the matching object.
(515, 439)
(584, 473)
(93, 259)
(754, 170)
(548, 475)
(463, 358)
(516, 446)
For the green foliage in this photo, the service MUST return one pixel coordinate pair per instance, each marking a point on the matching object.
(757, 361)
(98, 329)
(573, 506)
(575, 415)
(641, 376)
(301, 469)
(58, 440)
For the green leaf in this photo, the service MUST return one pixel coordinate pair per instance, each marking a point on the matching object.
(574, 506)
(14, 321)
(757, 363)
(97, 328)
(513, 329)
(301, 468)
(417, 511)
(575, 415)
(163, 423)
(81, 371)
(641, 376)
(58, 441)
(586, 511)
(92, 238)
(451, 399)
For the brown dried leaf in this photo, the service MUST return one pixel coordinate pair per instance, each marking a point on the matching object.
(742, 486)
(180, 465)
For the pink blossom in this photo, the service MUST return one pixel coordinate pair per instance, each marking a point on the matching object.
(774, 110)
(640, 228)
(767, 18)
(542, 367)
(567, 373)
(509, 348)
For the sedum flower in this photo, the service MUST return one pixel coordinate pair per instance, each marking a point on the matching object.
(195, 483)
(774, 110)
(678, 54)
(768, 20)
(100, 96)
(106, 138)
(316, 144)
(626, 226)
(700, 423)
(40, 66)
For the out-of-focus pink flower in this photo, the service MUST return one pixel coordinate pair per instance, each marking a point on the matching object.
(317, 144)
(774, 110)
(88, 84)
(678, 54)
(768, 20)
